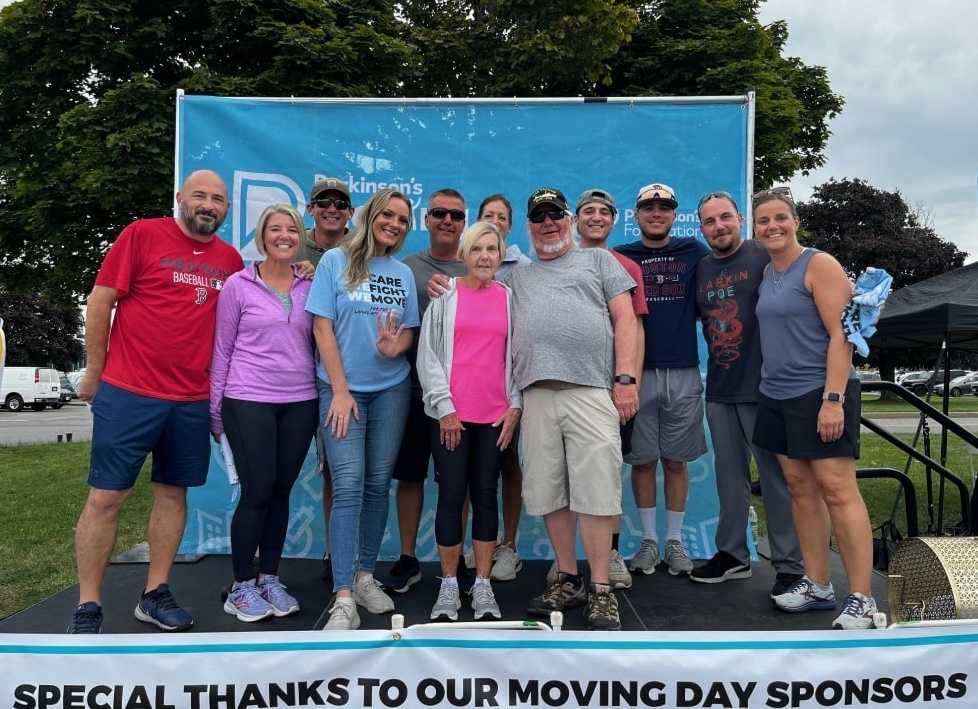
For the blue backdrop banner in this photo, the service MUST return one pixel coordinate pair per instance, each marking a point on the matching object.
(272, 150)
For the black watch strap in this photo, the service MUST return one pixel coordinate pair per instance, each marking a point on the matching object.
(625, 379)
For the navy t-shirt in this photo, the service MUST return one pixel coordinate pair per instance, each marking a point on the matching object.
(669, 277)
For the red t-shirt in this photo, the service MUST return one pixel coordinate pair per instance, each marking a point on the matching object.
(163, 333)
(638, 294)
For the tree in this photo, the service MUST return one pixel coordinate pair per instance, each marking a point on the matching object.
(88, 86)
(862, 225)
(719, 47)
(40, 333)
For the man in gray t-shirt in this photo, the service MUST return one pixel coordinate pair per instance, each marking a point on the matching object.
(727, 282)
(573, 350)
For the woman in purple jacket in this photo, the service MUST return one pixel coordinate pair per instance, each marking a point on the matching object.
(263, 397)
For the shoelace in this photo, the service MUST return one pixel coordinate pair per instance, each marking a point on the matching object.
(246, 595)
(86, 620)
(602, 604)
(804, 587)
(165, 601)
(483, 595)
(275, 589)
(647, 547)
(445, 595)
(855, 606)
(345, 609)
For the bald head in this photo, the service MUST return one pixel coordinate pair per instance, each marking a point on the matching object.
(203, 204)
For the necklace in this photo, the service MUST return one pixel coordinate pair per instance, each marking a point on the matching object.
(777, 277)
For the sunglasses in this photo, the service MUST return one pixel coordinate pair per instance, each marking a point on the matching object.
(783, 193)
(457, 215)
(327, 202)
(540, 217)
(716, 195)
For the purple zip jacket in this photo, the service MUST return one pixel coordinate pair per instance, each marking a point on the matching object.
(261, 353)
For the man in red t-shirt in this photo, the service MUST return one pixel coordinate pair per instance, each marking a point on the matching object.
(594, 219)
(147, 381)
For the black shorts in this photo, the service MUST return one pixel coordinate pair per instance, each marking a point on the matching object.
(414, 456)
(790, 426)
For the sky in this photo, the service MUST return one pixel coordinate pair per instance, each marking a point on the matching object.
(909, 74)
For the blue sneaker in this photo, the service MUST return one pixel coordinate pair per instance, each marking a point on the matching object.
(87, 619)
(282, 602)
(245, 602)
(159, 608)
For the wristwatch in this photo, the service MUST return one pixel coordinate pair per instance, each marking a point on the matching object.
(625, 379)
(834, 397)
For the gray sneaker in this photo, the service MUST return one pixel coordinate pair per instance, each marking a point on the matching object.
(647, 558)
(677, 559)
(369, 593)
(805, 595)
(505, 563)
(484, 601)
(618, 575)
(343, 615)
(448, 602)
(857, 614)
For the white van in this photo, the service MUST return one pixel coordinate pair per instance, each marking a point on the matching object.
(36, 387)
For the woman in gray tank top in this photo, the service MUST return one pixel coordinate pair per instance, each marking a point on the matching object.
(808, 412)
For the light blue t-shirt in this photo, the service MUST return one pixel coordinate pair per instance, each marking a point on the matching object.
(354, 315)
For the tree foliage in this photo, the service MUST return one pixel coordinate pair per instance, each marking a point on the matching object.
(87, 88)
(40, 333)
(862, 225)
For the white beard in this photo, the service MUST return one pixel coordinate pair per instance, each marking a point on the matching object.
(557, 247)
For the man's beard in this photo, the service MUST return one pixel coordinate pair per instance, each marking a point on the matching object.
(197, 226)
(556, 247)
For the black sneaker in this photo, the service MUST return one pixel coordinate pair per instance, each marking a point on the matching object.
(722, 567)
(565, 592)
(87, 619)
(327, 574)
(784, 582)
(405, 572)
(602, 609)
(160, 608)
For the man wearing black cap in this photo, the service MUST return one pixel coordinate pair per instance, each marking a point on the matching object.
(574, 334)
(669, 424)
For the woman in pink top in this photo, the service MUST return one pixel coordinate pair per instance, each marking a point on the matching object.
(464, 364)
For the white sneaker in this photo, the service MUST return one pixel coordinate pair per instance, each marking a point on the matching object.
(857, 614)
(369, 593)
(806, 595)
(647, 557)
(505, 563)
(484, 601)
(343, 615)
(448, 601)
(618, 576)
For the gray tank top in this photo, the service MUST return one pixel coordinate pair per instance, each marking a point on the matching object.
(794, 342)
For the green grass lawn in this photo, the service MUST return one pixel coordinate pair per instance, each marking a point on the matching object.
(871, 404)
(42, 490)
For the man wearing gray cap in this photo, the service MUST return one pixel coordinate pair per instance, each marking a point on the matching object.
(669, 424)
(573, 348)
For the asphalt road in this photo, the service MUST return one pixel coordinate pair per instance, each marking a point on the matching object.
(29, 426)
(75, 418)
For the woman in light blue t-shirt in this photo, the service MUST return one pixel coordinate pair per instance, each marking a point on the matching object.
(365, 305)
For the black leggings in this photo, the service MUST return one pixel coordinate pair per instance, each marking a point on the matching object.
(472, 470)
(269, 442)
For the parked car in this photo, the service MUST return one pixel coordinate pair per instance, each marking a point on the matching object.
(868, 375)
(911, 374)
(922, 382)
(36, 387)
(67, 390)
(960, 385)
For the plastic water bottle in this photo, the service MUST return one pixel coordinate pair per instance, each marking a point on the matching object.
(752, 521)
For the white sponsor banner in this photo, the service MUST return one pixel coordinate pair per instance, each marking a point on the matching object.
(427, 667)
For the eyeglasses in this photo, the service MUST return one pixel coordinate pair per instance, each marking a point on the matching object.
(717, 195)
(457, 215)
(327, 202)
(540, 216)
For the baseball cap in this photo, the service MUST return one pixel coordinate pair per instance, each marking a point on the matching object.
(657, 191)
(329, 184)
(596, 195)
(546, 195)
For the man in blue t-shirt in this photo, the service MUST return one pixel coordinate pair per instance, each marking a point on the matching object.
(669, 424)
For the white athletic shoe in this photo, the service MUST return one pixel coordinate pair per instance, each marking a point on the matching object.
(369, 593)
(857, 614)
(618, 576)
(505, 563)
(448, 601)
(343, 615)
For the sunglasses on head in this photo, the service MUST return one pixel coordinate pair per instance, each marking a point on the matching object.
(457, 215)
(540, 216)
(327, 202)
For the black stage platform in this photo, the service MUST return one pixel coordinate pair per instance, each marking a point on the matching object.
(655, 602)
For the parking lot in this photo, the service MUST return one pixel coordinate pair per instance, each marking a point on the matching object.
(29, 426)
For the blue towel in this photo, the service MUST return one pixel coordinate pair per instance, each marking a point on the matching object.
(860, 316)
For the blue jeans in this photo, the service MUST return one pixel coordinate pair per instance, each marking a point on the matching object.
(361, 465)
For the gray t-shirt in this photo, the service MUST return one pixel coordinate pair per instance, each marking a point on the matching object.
(424, 266)
(726, 296)
(309, 250)
(561, 326)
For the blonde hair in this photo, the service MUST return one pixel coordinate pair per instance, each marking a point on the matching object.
(473, 233)
(360, 246)
(286, 209)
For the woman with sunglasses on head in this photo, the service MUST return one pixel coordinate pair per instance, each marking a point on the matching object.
(263, 396)
(365, 304)
(464, 364)
(808, 413)
(496, 208)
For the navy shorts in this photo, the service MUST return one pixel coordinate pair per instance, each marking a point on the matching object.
(127, 427)
(790, 426)
(414, 455)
